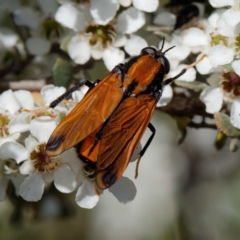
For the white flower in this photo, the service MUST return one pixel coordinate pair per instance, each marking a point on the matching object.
(40, 168)
(8, 168)
(224, 87)
(88, 194)
(21, 122)
(10, 105)
(96, 36)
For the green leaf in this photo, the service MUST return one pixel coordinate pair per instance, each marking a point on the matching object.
(62, 72)
(195, 85)
(224, 125)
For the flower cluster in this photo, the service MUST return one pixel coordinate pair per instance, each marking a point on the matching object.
(23, 159)
(109, 31)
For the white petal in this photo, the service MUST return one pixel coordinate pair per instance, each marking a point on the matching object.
(220, 55)
(79, 49)
(120, 40)
(194, 37)
(32, 187)
(49, 7)
(166, 96)
(24, 98)
(231, 17)
(204, 67)
(103, 11)
(8, 38)
(188, 76)
(9, 102)
(213, 18)
(224, 29)
(235, 113)
(179, 52)
(48, 177)
(77, 96)
(42, 128)
(64, 179)
(38, 46)
(71, 159)
(20, 123)
(125, 3)
(112, 56)
(87, 196)
(31, 143)
(221, 3)
(71, 16)
(51, 93)
(17, 180)
(13, 150)
(9, 138)
(135, 44)
(165, 19)
(130, 20)
(26, 17)
(236, 66)
(124, 190)
(146, 6)
(214, 79)
(3, 186)
(96, 53)
(26, 168)
(213, 99)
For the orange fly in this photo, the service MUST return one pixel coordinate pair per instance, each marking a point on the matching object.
(109, 122)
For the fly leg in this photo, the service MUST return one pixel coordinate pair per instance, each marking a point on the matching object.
(89, 84)
(170, 80)
(153, 130)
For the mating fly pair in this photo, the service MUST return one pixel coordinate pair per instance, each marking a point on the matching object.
(107, 125)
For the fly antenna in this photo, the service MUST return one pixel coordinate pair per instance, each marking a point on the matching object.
(168, 49)
(162, 44)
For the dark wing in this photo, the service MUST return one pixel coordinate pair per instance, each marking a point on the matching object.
(121, 137)
(87, 116)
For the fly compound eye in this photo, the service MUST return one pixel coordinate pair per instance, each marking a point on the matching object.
(149, 50)
(166, 64)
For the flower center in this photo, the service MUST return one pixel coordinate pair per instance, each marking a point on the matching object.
(41, 161)
(4, 121)
(231, 83)
(101, 34)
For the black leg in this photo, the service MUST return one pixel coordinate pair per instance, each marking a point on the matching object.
(71, 90)
(170, 80)
(153, 130)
